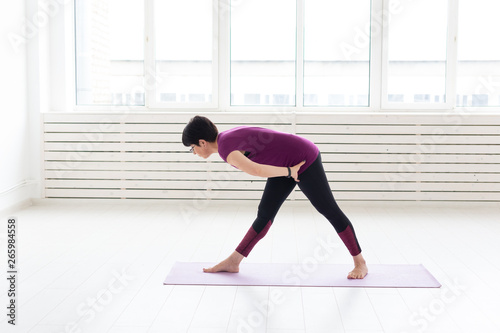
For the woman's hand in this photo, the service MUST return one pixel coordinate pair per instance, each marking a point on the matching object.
(240, 161)
(295, 171)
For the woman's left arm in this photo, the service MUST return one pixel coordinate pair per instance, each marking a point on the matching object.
(237, 159)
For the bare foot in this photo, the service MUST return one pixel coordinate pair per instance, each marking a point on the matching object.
(360, 269)
(231, 264)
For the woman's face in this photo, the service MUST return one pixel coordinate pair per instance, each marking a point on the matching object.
(201, 150)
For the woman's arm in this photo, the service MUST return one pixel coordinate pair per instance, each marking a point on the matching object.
(237, 159)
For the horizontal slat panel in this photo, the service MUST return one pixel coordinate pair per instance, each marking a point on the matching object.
(145, 175)
(241, 176)
(413, 177)
(318, 139)
(434, 130)
(334, 167)
(366, 156)
(346, 148)
(154, 184)
(415, 186)
(397, 119)
(152, 194)
(112, 128)
(259, 185)
(397, 129)
(110, 157)
(169, 118)
(112, 137)
(256, 195)
(140, 127)
(407, 139)
(412, 196)
(138, 166)
(100, 146)
(410, 158)
(326, 157)
(405, 149)
(394, 167)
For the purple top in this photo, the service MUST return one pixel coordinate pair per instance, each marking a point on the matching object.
(268, 147)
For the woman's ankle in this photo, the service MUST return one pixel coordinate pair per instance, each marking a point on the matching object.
(236, 257)
(359, 260)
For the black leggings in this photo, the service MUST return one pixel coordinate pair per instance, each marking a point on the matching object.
(314, 185)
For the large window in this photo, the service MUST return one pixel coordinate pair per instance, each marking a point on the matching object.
(263, 52)
(417, 45)
(336, 74)
(291, 54)
(478, 75)
(109, 52)
(183, 71)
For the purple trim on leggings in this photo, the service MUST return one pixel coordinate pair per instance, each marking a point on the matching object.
(350, 241)
(251, 238)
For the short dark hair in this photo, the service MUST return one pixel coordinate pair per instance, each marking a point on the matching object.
(199, 128)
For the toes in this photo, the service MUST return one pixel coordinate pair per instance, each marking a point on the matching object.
(355, 275)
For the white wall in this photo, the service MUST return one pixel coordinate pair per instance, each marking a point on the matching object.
(19, 119)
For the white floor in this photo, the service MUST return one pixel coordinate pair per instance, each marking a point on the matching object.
(98, 266)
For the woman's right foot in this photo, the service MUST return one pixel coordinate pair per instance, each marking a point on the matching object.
(360, 269)
(359, 272)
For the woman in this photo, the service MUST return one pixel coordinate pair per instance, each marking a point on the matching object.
(285, 160)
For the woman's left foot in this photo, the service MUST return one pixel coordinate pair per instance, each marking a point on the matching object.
(231, 264)
(224, 266)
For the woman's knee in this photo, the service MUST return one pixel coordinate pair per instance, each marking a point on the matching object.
(260, 223)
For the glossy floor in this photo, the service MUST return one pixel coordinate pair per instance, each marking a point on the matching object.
(98, 266)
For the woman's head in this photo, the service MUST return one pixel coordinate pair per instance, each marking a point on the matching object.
(199, 128)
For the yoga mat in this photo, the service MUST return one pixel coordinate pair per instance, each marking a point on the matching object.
(299, 275)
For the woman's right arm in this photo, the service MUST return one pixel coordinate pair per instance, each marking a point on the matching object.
(237, 159)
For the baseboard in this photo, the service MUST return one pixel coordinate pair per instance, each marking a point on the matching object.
(19, 198)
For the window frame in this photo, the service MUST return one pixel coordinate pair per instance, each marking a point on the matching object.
(375, 72)
(378, 98)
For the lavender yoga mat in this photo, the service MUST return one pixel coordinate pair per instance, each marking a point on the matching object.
(296, 275)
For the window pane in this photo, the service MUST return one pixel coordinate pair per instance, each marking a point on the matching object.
(109, 52)
(263, 52)
(417, 52)
(184, 40)
(478, 80)
(337, 53)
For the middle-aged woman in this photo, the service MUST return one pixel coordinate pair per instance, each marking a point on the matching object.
(285, 160)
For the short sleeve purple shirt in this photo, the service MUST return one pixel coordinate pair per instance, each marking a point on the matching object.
(268, 146)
